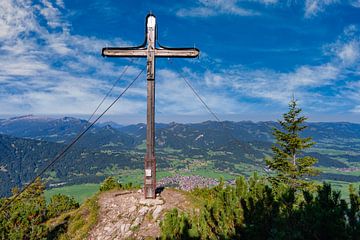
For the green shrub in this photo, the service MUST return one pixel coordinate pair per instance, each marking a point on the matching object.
(253, 210)
(77, 224)
(60, 203)
(25, 217)
(111, 183)
(176, 226)
(108, 184)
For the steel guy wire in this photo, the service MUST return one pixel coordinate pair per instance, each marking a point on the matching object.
(207, 106)
(63, 152)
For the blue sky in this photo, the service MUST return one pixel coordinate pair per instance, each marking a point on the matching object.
(255, 54)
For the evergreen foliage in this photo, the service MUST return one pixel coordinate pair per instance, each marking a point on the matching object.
(176, 226)
(108, 184)
(60, 203)
(77, 224)
(353, 213)
(288, 161)
(252, 209)
(26, 216)
(111, 183)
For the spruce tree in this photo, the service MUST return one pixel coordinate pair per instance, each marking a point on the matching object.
(289, 162)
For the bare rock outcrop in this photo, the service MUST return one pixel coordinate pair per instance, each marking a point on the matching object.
(127, 215)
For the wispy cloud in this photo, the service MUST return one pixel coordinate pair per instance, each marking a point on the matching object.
(314, 7)
(306, 81)
(52, 71)
(52, 14)
(347, 48)
(47, 69)
(208, 8)
(44, 68)
(175, 97)
(355, 3)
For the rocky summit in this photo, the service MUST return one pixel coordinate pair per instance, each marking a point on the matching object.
(127, 215)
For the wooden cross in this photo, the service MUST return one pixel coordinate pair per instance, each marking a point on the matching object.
(149, 50)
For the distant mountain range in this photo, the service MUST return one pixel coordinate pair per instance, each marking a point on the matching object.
(28, 142)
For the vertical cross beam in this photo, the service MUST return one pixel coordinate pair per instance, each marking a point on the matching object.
(150, 160)
(149, 50)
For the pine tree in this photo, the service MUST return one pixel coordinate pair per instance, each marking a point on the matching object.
(289, 162)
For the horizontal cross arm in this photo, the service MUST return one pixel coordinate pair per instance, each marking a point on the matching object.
(159, 52)
(124, 52)
(177, 52)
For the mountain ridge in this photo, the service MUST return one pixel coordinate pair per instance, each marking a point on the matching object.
(229, 147)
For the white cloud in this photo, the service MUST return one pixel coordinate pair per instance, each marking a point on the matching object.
(355, 3)
(347, 48)
(349, 53)
(42, 67)
(175, 97)
(196, 12)
(313, 7)
(22, 67)
(60, 3)
(212, 79)
(356, 109)
(278, 87)
(210, 8)
(351, 92)
(47, 78)
(16, 17)
(312, 75)
(51, 14)
(351, 30)
(207, 8)
(267, 1)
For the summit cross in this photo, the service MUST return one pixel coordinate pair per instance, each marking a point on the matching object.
(149, 50)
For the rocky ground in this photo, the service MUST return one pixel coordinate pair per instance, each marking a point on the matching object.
(127, 215)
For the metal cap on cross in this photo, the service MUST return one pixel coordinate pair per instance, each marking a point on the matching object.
(149, 50)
